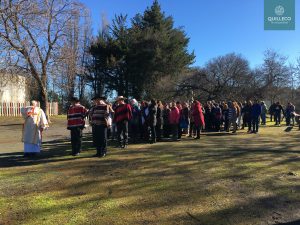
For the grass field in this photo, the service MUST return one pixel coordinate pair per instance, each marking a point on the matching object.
(221, 179)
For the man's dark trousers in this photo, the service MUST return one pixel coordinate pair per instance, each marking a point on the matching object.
(76, 136)
(100, 137)
(122, 128)
(255, 123)
(94, 136)
(277, 118)
(153, 134)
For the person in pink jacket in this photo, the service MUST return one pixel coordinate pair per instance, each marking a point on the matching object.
(198, 117)
(174, 120)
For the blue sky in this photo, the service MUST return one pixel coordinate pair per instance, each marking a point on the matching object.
(215, 27)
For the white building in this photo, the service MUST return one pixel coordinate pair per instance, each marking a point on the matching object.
(12, 88)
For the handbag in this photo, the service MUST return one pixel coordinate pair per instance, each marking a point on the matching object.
(107, 119)
(183, 124)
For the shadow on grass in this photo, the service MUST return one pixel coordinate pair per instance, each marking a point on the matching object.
(52, 151)
(11, 124)
(169, 177)
(170, 188)
(296, 222)
(288, 129)
(218, 133)
(58, 150)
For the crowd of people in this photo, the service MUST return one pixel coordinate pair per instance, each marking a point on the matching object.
(149, 122)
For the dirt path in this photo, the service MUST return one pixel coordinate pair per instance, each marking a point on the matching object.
(11, 133)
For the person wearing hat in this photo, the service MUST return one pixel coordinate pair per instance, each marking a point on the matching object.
(123, 114)
(76, 114)
(99, 120)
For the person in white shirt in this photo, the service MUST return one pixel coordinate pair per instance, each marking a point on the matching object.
(34, 124)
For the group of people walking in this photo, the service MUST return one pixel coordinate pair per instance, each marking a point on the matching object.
(276, 111)
(149, 122)
(100, 116)
(249, 114)
(224, 115)
(145, 121)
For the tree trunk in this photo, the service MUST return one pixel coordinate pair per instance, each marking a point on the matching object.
(71, 93)
(126, 88)
(81, 88)
(44, 94)
(44, 102)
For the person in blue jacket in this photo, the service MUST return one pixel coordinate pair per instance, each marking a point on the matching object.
(255, 114)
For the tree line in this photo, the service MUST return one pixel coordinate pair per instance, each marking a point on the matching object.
(230, 77)
(51, 43)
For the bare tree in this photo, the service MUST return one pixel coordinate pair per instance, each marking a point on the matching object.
(70, 70)
(297, 70)
(224, 77)
(98, 68)
(32, 32)
(275, 74)
(84, 53)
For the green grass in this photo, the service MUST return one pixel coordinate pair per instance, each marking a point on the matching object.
(221, 179)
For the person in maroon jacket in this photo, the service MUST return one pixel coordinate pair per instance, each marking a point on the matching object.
(198, 117)
(174, 121)
(75, 116)
(123, 114)
(99, 119)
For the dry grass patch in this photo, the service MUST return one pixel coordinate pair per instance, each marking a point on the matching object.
(221, 179)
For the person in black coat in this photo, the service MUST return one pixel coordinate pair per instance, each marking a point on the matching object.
(272, 111)
(247, 114)
(208, 116)
(225, 115)
(144, 120)
(152, 121)
(217, 112)
(277, 113)
(160, 120)
(166, 122)
(135, 122)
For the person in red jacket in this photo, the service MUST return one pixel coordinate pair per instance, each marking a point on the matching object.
(198, 118)
(174, 117)
(123, 114)
(75, 116)
(99, 119)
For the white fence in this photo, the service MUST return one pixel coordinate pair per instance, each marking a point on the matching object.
(14, 108)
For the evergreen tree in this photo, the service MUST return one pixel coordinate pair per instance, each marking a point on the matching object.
(132, 60)
(157, 50)
(99, 66)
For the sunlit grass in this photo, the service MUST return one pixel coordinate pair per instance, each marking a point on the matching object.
(221, 179)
